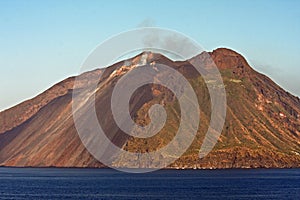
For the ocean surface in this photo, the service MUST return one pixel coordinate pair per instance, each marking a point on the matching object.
(56, 183)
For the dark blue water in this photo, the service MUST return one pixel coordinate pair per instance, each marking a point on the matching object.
(51, 183)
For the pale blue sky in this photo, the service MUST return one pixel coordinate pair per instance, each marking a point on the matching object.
(43, 42)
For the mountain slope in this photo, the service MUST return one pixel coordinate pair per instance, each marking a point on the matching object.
(262, 127)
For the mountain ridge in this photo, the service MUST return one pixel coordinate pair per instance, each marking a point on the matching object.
(267, 135)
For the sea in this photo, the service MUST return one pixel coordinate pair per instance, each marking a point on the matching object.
(74, 183)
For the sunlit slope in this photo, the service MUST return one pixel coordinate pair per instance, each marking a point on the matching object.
(262, 126)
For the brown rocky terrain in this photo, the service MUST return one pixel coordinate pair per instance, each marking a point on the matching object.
(262, 127)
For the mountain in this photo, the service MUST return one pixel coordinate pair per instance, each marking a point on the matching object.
(262, 125)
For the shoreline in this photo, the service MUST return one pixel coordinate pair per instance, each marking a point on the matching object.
(175, 169)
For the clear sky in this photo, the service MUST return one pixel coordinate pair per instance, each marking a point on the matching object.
(43, 42)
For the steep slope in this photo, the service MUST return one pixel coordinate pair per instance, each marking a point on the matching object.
(41, 131)
(262, 127)
(262, 124)
(18, 114)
